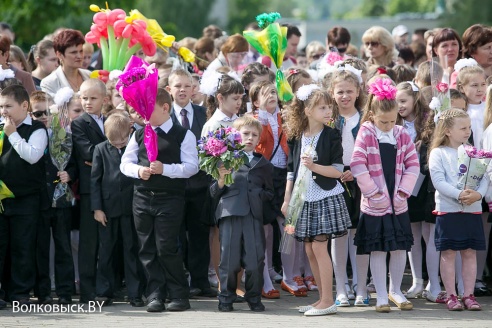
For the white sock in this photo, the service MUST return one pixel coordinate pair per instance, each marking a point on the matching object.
(268, 246)
(378, 270)
(362, 267)
(352, 251)
(267, 282)
(415, 255)
(432, 258)
(397, 263)
(339, 253)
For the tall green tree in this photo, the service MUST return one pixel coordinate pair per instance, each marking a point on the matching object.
(463, 14)
(243, 12)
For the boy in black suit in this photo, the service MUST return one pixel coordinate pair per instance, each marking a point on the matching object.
(158, 204)
(111, 201)
(240, 217)
(196, 247)
(87, 132)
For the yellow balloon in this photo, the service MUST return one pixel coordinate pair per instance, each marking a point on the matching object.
(94, 75)
(187, 54)
(167, 40)
(94, 8)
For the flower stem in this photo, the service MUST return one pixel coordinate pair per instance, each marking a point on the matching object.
(121, 54)
(103, 43)
(113, 52)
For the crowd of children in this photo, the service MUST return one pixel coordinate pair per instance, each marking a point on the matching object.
(362, 150)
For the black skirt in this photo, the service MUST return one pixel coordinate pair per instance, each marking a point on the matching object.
(459, 231)
(383, 233)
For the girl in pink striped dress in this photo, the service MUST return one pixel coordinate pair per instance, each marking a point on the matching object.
(386, 166)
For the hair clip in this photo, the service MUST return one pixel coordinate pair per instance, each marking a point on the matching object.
(305, 91)
(382, 70)
(415, 88)
(293, 71)
(382, 89)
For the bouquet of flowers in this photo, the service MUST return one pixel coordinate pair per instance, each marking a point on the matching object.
(296, 203)
(138, 86)
(272, 42)
(4, 190)
(60, 145)
(472, 166)
(222, 146)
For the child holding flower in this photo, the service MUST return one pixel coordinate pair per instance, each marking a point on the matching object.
(240, 218)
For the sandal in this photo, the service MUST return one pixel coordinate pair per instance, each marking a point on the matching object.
(300, 284)
(471, 303)
(453, 304)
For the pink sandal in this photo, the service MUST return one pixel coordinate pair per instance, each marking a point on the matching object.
(453, 303)
(471, 303)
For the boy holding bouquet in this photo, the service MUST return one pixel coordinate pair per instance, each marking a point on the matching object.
(239, 215)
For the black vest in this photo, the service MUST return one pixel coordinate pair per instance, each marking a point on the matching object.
(21, 177)
(169, 152)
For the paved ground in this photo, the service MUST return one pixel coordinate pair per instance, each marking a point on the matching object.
(279, 313)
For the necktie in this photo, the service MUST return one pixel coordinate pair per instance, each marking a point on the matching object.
(184, 119)
(158, 130)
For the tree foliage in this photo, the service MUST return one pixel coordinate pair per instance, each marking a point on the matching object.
(243, 12)
(464, 14)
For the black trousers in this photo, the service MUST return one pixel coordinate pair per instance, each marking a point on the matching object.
(119, 227)
(158, 220)
(242, 244)
(88, 247)
(196, 244)
(56, 221)
(18, 226)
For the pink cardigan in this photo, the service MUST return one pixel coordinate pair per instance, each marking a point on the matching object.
(367, 169)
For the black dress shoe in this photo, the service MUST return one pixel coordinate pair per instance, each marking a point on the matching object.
(3, 304)
(256, 307)
(105, 301)
(225, 307)
(195, 292)
(208, 292)
(64, 300)
(179, 304)
(45, 300)
(155, 305)
(239, 299)
(136, 302)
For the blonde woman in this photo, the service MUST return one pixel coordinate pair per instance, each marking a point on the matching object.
(379, 47)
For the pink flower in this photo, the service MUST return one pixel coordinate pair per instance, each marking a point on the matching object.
(290, 229)
(215, 147)
(383, 89)
(472, 152)
(442, 87)
(333, 57)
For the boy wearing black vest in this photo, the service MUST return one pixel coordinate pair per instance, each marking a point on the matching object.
(158, 204)
(22, 171)
(111, 201)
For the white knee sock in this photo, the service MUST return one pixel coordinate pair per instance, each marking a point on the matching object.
(362, 267)
(339, 253)
(378, 270)
(415, 255)
(352, 251)
(432, 258)
(268, 246)
(397, 268)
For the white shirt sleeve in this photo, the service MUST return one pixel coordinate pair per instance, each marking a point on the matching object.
(129, 166)
(32, 150)
(189, 159)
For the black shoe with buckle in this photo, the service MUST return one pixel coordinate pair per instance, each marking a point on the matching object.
(179, 304)
(155, 305)
(136, 302)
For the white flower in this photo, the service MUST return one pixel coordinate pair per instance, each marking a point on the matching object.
(466, 62)
(210, 82)
(63, 96)
(114, 74)
(435, 104)
(54, 109)
(6, 73)
(305, 91)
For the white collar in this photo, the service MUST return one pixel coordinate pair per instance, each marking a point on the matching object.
(220, 116)
(178, 108)
(166, 126)
(385, 136)
(94, 116)
(27, 120)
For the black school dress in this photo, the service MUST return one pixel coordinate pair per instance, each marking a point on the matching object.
(389, 232)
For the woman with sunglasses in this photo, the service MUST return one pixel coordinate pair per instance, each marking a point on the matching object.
(68, 48)
(24, 77)
(379, 47)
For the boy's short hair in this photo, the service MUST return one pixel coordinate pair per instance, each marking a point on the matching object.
(117, 125)
(247, 120)
(16, 92)
(178, 72)
(163, 97)
(456, 95)
(95, 83)
(40, 96)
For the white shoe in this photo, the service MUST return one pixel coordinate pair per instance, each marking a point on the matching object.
(361, 301)
(342, 301)
(416, 290)
(303, 309)
(315, 312)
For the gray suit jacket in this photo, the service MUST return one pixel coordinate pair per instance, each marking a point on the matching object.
(252, 186)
